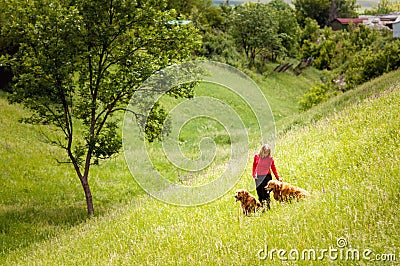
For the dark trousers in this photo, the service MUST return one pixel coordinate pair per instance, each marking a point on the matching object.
(261, 182)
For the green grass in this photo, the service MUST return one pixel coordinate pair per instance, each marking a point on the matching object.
(345, 152)
(281, 90)
(284, 90)
(336, 104)
(39, 197)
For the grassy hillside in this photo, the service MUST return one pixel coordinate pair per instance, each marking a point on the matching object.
(284, 90)
(281, 91)
(40, 198)
(336, 104)
(347, 156)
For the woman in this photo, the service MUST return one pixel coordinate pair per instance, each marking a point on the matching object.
(262, 165)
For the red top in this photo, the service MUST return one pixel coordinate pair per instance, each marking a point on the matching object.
(263, 166)
(347, 21)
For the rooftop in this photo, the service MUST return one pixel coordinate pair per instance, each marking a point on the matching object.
(346, 21)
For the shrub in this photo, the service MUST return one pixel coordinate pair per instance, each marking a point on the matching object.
(369, 64)
(316, 94)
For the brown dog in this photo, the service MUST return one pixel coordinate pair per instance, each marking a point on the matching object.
(285, 192)
(248, 202)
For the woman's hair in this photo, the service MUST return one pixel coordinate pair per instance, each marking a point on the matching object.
(265, 151)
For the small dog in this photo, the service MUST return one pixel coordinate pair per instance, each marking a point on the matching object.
(248, 202)
(285, 192)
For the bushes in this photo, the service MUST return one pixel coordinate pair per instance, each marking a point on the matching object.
(219, 46)
(352, 56)
(316, 95)
(369, 64)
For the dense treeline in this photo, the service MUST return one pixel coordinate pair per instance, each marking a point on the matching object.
(252, 35)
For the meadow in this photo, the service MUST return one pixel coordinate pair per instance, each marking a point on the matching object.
(345, 151)
(41, 198)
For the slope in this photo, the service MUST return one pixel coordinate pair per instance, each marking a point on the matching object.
(349, 161)
(39, 198)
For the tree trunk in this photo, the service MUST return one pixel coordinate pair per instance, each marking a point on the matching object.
(88, 195)
(84, 179)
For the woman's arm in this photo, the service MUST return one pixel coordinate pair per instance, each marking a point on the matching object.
(273, 167)
(255, 163)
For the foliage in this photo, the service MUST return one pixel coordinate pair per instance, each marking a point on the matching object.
(337, 152)
(186, 7)
(351, 56)
(322, 51)
(208, 17)
(265, 31)
(344, 9)
(220, 46)
(7, 46)
(370, 63)
(324, 11)
(334, 50)
(253, 29)
(317, 10)
(383, 7)
(362, 37)
(315, 95)
(82, 62)
(202, 13)
(288, 30)
(310, 31)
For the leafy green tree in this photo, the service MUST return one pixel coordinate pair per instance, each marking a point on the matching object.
(314, 9)
(370, 63)
(324, 11)
(362, 36)
(207, 17)
(323, 51)
(79, 62)
(383, 7)
(220, 46)
(201, 12)
(334, 49)
(343, 9)
(254, 29)
(288, 30)
(311, 31)
(7, 46)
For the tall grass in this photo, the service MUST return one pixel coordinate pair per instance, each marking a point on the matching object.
(349, 161)
(39, 197)
(336, 104)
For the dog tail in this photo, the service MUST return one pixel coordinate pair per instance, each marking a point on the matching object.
(304, 193)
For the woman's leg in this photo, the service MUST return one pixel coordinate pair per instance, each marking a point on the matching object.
(260, 187)
(266, 199)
